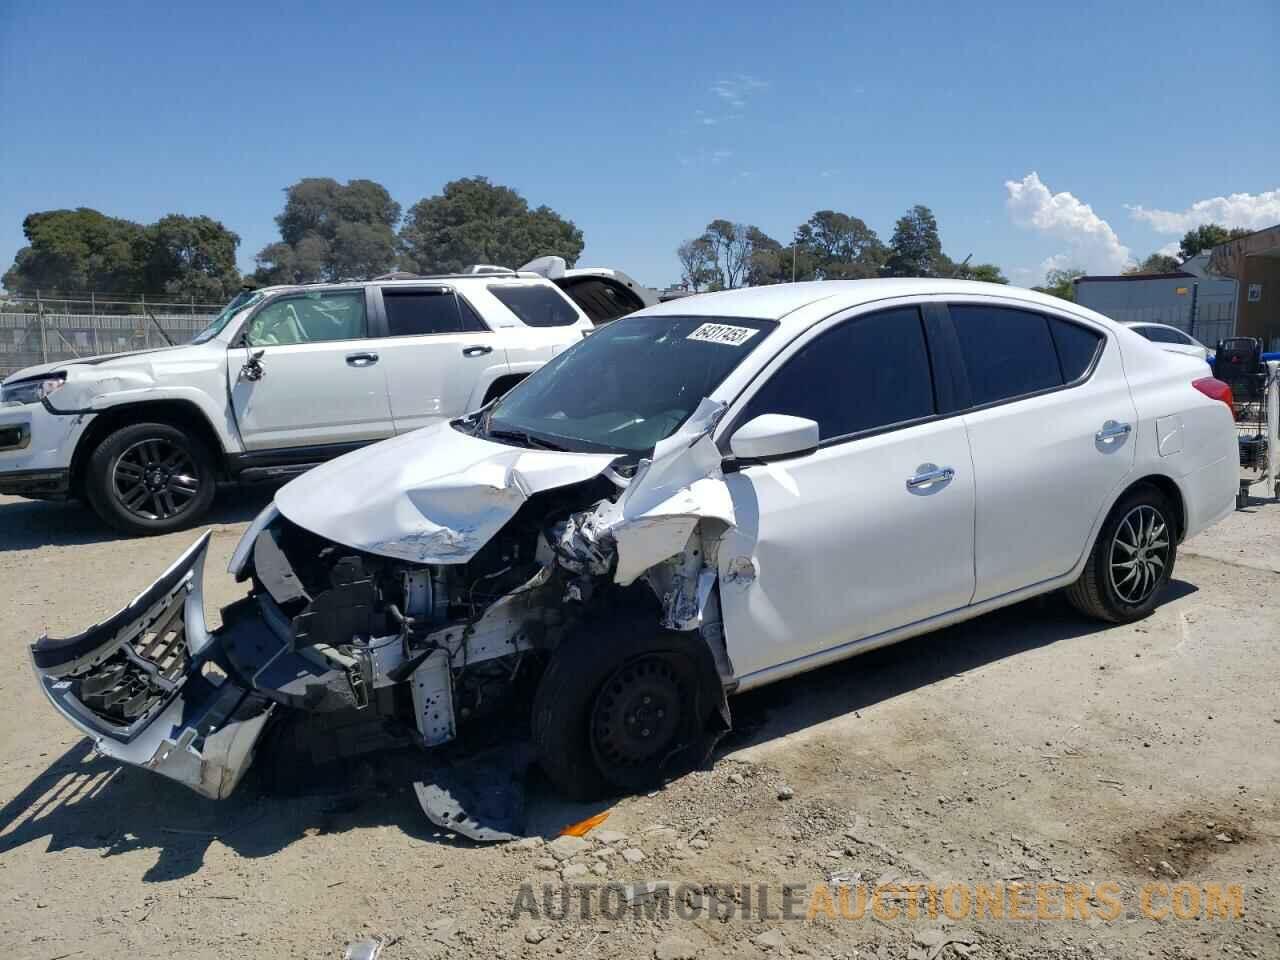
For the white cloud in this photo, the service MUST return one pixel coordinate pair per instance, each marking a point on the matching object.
(1252, 211)
(1171, 249)
(734, 90)
(1091, 243)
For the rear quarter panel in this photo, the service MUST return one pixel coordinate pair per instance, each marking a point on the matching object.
(1181, 433)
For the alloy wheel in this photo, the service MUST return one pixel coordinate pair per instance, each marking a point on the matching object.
(1139, 554)
(155, 479)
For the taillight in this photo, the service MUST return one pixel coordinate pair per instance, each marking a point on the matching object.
(1215, 389)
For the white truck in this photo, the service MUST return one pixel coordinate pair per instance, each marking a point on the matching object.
(287, 377)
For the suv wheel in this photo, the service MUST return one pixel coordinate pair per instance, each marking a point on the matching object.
(1131, 561)
(150, 478)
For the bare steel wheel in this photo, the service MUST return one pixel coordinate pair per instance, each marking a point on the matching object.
(155, 479)
(1139, 554)
(150, 478)
(636, 717)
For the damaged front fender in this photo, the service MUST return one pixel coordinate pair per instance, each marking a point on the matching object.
(152, 688)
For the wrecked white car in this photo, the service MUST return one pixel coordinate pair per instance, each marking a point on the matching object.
(703, 497)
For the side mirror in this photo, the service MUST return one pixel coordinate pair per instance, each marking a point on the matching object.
(253, 370)
(774, 435)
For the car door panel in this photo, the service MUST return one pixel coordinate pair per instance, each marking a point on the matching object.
(438, 354)
(834, 546)
(854, 538)
(1045, 467)
(318, 392)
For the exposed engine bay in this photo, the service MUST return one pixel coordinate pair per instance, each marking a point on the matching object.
(424, 647)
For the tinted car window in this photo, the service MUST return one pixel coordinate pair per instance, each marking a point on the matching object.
(1158, 334)
(1007, 352)
(309, 318)
(869, 372)
(536, 306)
(418, 312)
(1076, 347)
(470, 319)
(600, 299)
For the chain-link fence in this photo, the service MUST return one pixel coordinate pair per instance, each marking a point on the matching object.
(1209, 323)
(40, 329)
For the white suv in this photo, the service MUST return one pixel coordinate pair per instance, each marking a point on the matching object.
(282, 379)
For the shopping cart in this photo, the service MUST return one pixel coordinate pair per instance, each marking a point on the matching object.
(1255, 390)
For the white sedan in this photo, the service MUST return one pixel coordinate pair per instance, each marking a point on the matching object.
(1171, 338)
(704, 497)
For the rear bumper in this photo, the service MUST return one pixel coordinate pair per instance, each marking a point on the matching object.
(1210, 493)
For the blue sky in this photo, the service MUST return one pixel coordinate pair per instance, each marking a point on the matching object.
(1040, 134)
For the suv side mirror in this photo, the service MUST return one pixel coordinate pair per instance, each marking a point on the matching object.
(774, 435)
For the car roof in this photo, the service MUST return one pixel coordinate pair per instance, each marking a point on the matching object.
(531, 279)
(784, 300)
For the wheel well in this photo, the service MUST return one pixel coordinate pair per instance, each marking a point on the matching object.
(1172, 494)
(177, 413)
(502, 385)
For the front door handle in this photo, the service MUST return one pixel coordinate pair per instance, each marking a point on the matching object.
(931, 474)
(361, 359)
(476, 351)
(1111, 430)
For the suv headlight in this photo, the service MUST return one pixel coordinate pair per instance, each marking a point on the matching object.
(31, 391)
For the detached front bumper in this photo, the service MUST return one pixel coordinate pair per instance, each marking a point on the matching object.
(154, 688)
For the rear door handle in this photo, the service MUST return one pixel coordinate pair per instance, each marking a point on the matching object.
(361, 359)
(476, 351)
(928, 476)
(1110, 430)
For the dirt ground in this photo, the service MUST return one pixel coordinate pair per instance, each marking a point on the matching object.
(1030, 746)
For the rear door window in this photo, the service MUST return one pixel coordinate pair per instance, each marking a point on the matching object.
(535, 304)
(1007, 352)
(414, 313)
(868, 373)
(1076, 346)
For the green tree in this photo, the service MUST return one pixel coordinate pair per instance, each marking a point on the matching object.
(1058, 283)
(190, 258)
(475, 221)
(839, 247)
(331, 231)
(696, 258)
(71, 251)
(915, 249)
(1156, 263)
(984, 272)
(1207, 236)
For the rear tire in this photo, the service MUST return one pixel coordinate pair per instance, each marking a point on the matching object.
(150, 478)
(1131, 560)
(616, 709)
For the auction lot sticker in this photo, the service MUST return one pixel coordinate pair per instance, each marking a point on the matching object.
(723, 333)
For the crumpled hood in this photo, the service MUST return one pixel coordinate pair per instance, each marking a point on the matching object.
(435, 495)
(112, 359)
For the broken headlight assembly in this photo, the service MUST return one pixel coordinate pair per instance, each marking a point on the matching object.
(33, 390)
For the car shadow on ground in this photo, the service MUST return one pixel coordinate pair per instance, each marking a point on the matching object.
(854, 684)
(88, 801)
(31, 524)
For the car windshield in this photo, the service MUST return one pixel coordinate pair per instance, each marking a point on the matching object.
(245, 298)
(625, 387)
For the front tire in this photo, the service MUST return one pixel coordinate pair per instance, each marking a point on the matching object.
(150, 478)
(1131, 561)
(617, 709)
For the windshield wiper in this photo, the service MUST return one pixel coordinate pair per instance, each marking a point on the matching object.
(525, 438)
